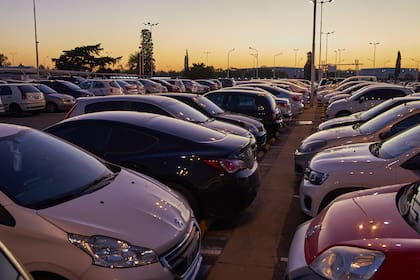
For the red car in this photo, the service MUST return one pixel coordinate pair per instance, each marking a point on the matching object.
(372, 234)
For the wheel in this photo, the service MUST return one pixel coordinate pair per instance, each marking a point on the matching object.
(15, 110)
(51, 107)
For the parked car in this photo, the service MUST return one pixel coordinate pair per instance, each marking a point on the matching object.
(216, 172)
(128, 88)
(192, 86)
(66, 87)
(170, 87)
(227, 82)
(209, 83)
(211, 110)
(178, 83)
(347, 168)
(330, 98)
(161, 105)
(151, 86)
(380, 127)
(361, 117)
(18, 98)
(69, 215)
(365, 98)
(74, 79)
(371, 234)
(2, 109)
(55, 102)
(259, 105)
(140, 87)
(102, 87)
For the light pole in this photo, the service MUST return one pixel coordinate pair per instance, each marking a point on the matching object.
(207, 57)
(256, 57)
(320, 30)
(36, 43)
(417, 68)
(274, 64)
(374, 51)
(313, 56)
(228, 66)
(326, 46)
(151, 30)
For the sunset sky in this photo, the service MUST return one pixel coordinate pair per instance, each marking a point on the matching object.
(280, 30)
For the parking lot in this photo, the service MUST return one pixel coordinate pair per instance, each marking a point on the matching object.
(256, 247)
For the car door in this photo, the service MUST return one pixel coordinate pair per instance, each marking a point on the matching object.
(6, 95)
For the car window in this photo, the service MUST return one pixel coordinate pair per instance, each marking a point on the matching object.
(405, 124)
(128, 140)
(70, 85)
(28, 88)
(185, 112)
(114, 84)
(5, 90)
(216, 98)
(207, 105)
(108, 106)
(38, 171)
(85, 85)
(45, 89)
(400, 143)
(147, 108)
(97, 84)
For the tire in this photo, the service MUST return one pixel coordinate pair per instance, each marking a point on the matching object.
(333, 195)
(15, 110)
(51, 107)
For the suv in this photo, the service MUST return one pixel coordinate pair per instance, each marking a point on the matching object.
(21, 97)
(259, 105)
(100, 87)
(365, 99)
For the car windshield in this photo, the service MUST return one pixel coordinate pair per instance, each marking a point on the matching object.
(397, 145)
(70, 85)
(409, 205)
(381, 120)
(376, 110)
(39, 171)
(184, 112)
(45, 89)
(208, 105)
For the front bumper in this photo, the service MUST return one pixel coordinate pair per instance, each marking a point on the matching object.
(310, 197)
(297, 268)
(302, 161)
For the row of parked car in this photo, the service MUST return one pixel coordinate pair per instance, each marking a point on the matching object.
(123, 180)
(360, 186)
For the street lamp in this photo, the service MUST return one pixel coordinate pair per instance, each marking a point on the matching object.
(151, 30)
(228, 66)
(320, 30)
(326, 46)
(374, 51)
(36, 43)
(256, 57)
(313, 55)
(207, 57)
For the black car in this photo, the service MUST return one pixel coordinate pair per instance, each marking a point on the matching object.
(216, 172)
(161, 105)
(211, 110)
(66, 87)
(259, 105)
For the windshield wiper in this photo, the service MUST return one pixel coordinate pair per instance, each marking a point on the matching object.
(98, 183)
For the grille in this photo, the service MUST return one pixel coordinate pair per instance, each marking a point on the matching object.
(184, 255)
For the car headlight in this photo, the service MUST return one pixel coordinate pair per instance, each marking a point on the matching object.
(348, 263)
(315, 177)
(253, 129)
(313, 146)
(113, 253)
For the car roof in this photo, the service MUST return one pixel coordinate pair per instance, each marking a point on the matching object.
(238, 90)
(155, 99)
(10, 129)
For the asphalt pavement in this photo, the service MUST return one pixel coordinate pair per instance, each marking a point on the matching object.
(257, 248)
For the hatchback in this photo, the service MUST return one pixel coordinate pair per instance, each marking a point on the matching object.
(259, 105)
(18, 98)
(346, 168)
(101, 87)
(371, 234)
(68, 215)
(216, 172)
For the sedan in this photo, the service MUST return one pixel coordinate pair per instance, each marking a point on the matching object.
(347, 168)
(380, 127)
(211, 110)
(372, 234)
(69, 215)
(55, 101)
(217, 173)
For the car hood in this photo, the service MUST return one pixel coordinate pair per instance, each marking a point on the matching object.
(133, 207)
(354, 153)
(333, 134)
(339, 121)
(371, 221)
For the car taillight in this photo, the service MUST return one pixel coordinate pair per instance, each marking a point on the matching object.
(226, 165)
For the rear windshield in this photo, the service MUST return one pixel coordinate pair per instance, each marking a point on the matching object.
(28, 88)
(45, 89)
(207, 105)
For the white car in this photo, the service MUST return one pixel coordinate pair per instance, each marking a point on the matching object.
(69, 215)
(17, 98)
(381, 127)
(365, 98)
(101, 87)
(354, 167)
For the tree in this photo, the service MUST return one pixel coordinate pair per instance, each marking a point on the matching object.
(133, 62)
(397, 66)
(4, 60)
(147, 52)
(85, 58)
(200, 71)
